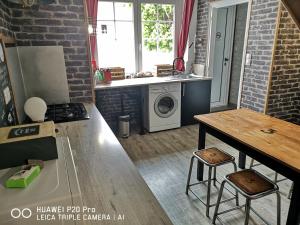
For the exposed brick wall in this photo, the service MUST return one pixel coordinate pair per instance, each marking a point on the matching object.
(202, 31)
(260, 44)
(108, 102)
(61, 23)
(284, 93)
(5, 19)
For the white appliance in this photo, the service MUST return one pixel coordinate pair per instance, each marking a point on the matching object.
(57, 185)
(162, 106)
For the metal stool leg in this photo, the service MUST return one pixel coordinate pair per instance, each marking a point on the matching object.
(208, 191)
(218, 202)
(189, 175)
(236, 192)
(215, 176)
(247, 211)
(278, 208)
(251, 163)
(291, 191)
(276, 177)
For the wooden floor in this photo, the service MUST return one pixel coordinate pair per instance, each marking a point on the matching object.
(163, 158)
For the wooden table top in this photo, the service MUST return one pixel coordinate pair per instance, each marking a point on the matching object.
(253, 129)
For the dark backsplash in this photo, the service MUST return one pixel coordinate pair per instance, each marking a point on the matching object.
(108, 102)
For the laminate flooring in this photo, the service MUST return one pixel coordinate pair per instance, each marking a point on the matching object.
(163, 158)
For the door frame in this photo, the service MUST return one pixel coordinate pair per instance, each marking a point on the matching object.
(224, 92)
(210, 47)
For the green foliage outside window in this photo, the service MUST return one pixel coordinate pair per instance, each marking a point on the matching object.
(157, 22)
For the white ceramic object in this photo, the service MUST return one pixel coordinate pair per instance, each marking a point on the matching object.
(35, 108)
(198, 69)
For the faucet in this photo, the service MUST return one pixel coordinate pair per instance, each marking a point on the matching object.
(174, 61)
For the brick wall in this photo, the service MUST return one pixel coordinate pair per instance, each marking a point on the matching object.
(61, 23)
(260, 44)
(108, 102)
(5, 19)
(202, 31)
(284, 93)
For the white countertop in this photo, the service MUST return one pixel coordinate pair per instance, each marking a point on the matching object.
(147, 81)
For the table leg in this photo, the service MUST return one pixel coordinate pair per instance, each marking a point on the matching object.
(242, 160)
(294, 210)
(201, 145)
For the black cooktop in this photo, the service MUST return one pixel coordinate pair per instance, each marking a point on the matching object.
(61, 113)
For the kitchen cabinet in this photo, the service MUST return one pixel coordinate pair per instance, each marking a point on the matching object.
(195, 100)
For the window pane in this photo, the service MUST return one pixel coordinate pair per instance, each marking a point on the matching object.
(149, 30)
(124, 11)
(150, 45)
(105, 11)
(157, 35)
(116, 48)
(165, 30)
(149, 12)
(165, 12)
(166, 45)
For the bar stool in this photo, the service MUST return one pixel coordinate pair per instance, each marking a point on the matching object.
(211, 157)
(252, 185)
(258, 164)
(275, 178)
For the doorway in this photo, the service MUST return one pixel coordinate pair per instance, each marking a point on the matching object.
(226, 52)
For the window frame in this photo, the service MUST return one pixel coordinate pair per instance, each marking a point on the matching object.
(137, 23)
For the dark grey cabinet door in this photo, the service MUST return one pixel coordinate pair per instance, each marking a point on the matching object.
(195, 100)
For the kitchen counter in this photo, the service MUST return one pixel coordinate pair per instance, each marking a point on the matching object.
(108, 179)
(147, 81)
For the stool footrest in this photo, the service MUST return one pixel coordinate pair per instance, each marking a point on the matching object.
(239, 207)
(223, 201)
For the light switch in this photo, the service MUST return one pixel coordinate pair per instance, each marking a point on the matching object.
(248, 59)
(7, 95)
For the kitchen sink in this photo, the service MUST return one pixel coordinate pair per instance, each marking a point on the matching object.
(182, 77)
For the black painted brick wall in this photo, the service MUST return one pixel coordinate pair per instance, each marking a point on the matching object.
(5, 19)
(61, 23)
(284, 93)
(108, 102)
(260, 45)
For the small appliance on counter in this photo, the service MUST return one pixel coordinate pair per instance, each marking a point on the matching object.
(68, 112)
(21, 143)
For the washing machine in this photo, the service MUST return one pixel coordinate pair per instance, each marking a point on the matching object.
(162, 106)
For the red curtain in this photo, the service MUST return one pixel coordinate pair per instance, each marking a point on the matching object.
(184, 31)
(92, 8)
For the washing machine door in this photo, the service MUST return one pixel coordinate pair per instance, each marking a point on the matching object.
(165, 105)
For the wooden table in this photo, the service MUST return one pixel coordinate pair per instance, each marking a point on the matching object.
(272, 142)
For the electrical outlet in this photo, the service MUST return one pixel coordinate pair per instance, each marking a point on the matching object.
(7, 95)
(248, 59)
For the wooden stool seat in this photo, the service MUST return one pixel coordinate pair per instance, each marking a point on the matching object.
(213, 156)
(250, 182)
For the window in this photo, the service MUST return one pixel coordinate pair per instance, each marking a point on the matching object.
(116, 46)
(137, 41)
(157, 34)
